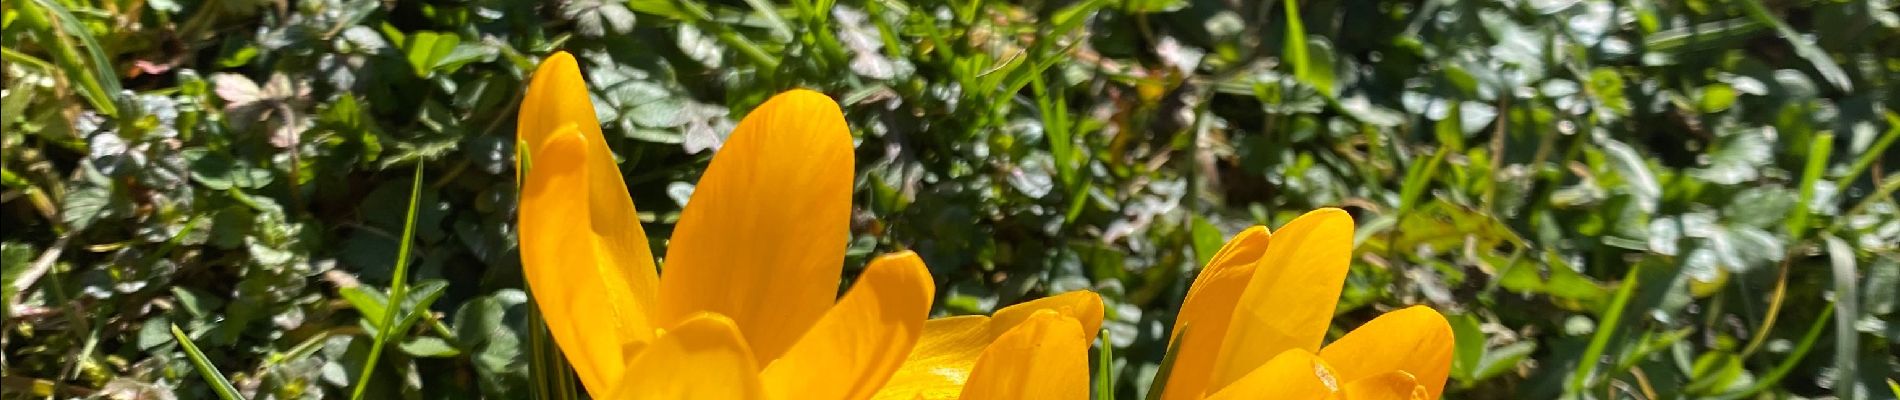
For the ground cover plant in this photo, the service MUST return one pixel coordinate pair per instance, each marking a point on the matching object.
(1607, 199)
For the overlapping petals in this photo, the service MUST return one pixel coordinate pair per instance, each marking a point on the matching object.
(1254, 320)
(1032, 350)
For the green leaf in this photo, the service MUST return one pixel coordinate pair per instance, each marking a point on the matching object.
(1207, 241)
(664, 8)
(1737, 158)
(220, 172)
(198, 305)
(1152, 6)
(1882, 289)
(461, 54)
(1634, 169)
(1764, 207)
(598, 18)
(1606, 87)
(426, 50)
(1715, 98)
(155, 333)
(664, 113)
(1715, 372)
(1503, 359)
(429, 347)
(367, 302)
(780, 30)
(416, 304)
(84, 206)
(1803, 46)
(1469, 351)
(14, 257)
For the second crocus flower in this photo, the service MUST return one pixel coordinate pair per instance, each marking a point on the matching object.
(1254, 319)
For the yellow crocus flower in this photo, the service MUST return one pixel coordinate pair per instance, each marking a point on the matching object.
(1253, 320)
(747, 308)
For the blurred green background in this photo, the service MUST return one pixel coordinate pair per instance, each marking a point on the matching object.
(1609, 199)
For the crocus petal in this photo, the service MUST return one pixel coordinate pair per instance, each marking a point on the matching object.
(1391, 385)
(1082, 305)
(1416, 340)
(940, 364)
(1208, 309)
(1289, 301)
(701, 358)
(592, 310)
(1044, 357)
(1294, 374)
(762, 240)
(859, 343)
(937, 367)
(558, 98)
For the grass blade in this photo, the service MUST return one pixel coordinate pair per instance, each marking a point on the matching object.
(550, 378)
(1105, 369)
(397, 286)
(1781, 370)
(205, 369)
(1817, 162)
(1298, 53)
(1840, 256)
(1879, 194)
(100, 86)
(1873, 152)
(1295, 42)
(1702, 36)
(1612, 317)
(1160, 383)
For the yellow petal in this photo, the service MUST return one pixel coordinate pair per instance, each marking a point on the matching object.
(1045, 357)
(1289, 301)
(1294, 374)
(859, 343)
(556, 98)
(1209, 306)
(937, 367)
(701, 358)
(1082, 305)
(762, 239)
(1416, 340)
(591, 298)
(1391, 385)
